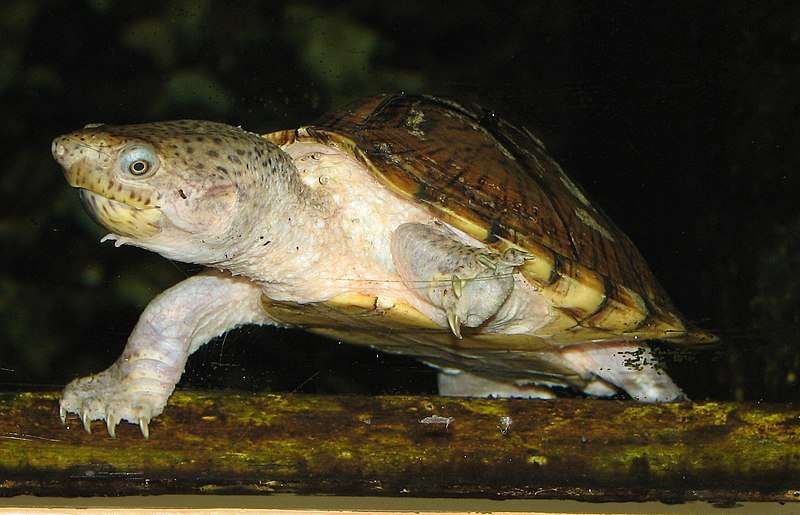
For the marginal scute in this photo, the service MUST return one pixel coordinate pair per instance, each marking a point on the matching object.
(561, 323)
(624, 310)
(541, 269)
(577, 289)
(669, 327)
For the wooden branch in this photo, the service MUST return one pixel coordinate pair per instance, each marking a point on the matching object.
(220, 442)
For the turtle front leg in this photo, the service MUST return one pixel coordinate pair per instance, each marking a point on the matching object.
(468, 283)
(175, 324)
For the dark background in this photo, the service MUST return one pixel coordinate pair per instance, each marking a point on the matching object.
(679, 118)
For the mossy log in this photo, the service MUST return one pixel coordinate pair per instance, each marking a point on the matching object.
(409, 446)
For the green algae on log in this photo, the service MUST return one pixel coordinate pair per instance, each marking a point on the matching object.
(410, 446)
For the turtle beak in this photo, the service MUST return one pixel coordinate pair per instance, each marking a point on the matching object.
(120, 218)
(62, 155)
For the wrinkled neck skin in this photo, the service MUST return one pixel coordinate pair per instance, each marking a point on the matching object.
(266, 238)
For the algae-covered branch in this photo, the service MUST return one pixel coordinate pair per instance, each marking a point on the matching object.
(410, 446)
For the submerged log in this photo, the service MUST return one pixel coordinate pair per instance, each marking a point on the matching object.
(221, 442)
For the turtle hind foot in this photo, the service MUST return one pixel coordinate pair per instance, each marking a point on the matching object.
(469, 284)
(625, 365)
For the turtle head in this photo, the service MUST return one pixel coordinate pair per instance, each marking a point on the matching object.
(171, 187)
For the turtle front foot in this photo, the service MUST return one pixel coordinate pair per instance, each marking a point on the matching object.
(113, 396)
(468, 283)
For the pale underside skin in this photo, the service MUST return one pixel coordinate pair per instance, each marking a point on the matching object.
(357, 238)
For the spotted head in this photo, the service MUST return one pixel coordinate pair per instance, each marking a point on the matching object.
(166, 186)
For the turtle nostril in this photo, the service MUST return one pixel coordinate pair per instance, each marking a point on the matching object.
(57, 148)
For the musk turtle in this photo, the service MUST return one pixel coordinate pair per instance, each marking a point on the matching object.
(410, 224)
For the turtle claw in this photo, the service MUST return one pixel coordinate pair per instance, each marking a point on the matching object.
(144, 427)
(515, 257)
(111, 425)
(510, 258)
(486, 261)
(458, 286)
(87, 422)
(455, 324)
(526, 256)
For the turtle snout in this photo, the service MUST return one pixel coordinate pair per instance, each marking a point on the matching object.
(68, 154)
(61, 151)
(57, 148)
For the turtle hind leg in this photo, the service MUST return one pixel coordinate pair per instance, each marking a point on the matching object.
(464, 384)
(629, 366)
(468, 283)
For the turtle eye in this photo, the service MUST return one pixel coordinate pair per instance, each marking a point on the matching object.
(139, 167)
(138, 160)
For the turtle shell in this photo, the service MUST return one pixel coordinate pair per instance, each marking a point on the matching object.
(496, 182)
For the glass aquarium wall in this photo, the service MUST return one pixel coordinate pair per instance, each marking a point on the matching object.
(678, 119)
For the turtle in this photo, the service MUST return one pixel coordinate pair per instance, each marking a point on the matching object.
(409, 223)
